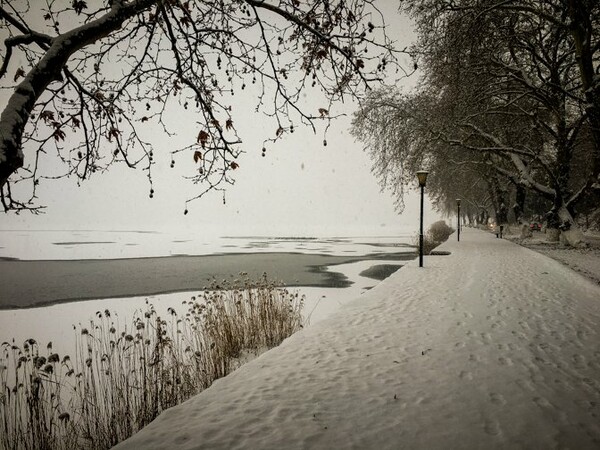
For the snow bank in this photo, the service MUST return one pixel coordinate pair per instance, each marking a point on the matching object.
(494, 346)
(583, 260)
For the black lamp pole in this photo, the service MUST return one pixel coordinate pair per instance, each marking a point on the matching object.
(458, 219)
(422, 177)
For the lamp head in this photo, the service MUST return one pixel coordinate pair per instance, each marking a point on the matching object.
(458, 202)
(422, 177)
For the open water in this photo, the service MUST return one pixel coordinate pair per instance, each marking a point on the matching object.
(55, 323)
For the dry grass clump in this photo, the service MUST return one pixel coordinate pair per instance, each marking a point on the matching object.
(121, 378)
(437, 233)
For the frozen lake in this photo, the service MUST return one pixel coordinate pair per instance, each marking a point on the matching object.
(70, 245)
(50, 249)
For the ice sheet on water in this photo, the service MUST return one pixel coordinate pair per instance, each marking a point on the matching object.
(55, 323)
(62, 245)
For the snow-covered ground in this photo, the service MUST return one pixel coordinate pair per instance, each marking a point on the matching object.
(494, 346)
(583, 260)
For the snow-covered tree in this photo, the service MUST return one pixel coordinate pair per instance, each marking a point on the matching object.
(508, 84)
(95, 75)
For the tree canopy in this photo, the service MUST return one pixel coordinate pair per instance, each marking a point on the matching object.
(508, 104)
(89, 78)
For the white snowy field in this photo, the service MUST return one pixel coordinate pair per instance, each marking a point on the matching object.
(585, 260)
(494, 346)
(94, 244)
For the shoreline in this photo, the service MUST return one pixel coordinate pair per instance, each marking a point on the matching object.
(39, 283)
(470, 342)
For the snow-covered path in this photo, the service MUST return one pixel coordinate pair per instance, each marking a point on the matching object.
(494, 346)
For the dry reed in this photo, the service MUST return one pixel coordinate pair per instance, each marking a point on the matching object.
(120, 379)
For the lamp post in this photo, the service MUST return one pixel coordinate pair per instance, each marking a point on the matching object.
(422, 177)
(458, 219)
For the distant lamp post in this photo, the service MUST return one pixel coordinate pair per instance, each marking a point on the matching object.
(458, 219)
(422, 177)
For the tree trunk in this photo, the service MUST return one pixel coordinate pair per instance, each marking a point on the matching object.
(561, 225)
(570, 231)
(582, 32)
(519, 206)
(482, 218)
(552, 224)
(525, 231)
(498, 197)
(552, 234)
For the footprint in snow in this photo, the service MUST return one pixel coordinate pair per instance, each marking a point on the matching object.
(491, 427)
(497, 399)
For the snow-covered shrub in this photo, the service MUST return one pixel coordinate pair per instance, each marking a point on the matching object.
(437, 233)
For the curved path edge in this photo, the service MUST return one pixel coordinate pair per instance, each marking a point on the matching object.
(493, 346)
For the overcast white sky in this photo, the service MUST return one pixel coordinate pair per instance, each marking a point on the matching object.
(300, 187)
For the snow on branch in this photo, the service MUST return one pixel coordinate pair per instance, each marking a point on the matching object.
(97, 78)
